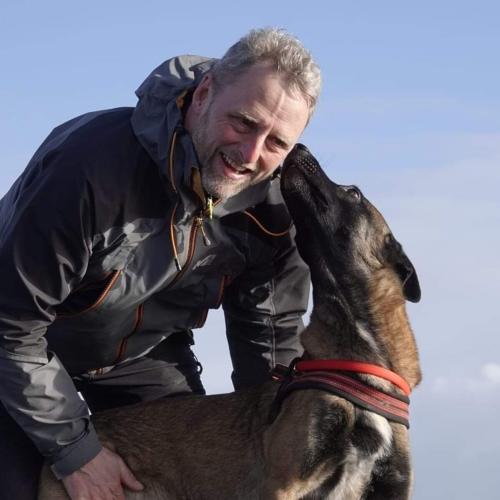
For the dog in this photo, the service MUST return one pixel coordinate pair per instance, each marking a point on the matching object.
(318, 432)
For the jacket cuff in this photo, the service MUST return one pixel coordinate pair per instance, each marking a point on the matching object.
(75, 456)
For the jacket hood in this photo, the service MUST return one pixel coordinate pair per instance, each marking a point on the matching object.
(158, 112)
(157, 122)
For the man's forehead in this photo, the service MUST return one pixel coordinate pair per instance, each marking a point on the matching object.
(262, 83)
(283, 115)
(263, 97)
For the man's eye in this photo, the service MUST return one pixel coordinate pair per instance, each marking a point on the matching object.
(242, 124)
(247, 123)
(278, 144)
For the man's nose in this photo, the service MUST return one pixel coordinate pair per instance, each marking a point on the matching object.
(251, 149)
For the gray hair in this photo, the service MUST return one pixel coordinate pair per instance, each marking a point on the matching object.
(286, 55)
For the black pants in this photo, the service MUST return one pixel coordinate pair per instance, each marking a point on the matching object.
(171, 369)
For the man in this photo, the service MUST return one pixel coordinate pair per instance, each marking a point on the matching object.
(125, 228)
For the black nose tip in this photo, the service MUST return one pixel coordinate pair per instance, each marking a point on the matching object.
(301, 147)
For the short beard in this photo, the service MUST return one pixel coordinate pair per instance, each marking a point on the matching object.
(215, 185)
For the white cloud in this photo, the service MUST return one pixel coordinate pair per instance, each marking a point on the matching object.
(491, 372)
(482, 383)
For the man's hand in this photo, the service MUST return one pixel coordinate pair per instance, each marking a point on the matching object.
(101, 479)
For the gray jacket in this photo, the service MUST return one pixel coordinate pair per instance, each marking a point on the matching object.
(107, 248)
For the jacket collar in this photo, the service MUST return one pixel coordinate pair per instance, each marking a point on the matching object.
(157, 122)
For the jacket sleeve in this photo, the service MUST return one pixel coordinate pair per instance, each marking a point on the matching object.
(263, 309)
(45, 244)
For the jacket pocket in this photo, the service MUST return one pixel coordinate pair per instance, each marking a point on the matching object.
(88, 297)
(122, 348)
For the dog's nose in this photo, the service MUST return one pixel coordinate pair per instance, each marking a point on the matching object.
(301, 147)
(298, 155)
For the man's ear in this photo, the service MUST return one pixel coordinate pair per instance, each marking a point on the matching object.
(202, 94)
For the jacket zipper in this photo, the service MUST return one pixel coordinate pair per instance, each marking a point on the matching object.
(123, 344)
(191, 249)
(197, 222)
(222, 287)
(113, 278)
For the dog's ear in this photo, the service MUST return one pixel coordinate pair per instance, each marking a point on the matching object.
(404, 269)
(409, 278)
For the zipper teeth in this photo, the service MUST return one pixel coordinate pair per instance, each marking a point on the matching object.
(123, 344)
(172, 237)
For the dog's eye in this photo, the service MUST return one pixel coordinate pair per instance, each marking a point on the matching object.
(393, 243)
(388, 239)
(353, 192)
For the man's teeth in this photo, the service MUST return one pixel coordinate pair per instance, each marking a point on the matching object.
(233, 164)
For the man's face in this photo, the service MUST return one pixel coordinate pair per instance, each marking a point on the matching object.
(243, 130)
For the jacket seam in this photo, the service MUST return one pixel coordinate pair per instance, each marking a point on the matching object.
(171, 160)
(189, 258)
(122, 348)
(264, 229)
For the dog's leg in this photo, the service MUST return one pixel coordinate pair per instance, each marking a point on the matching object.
(392, 478)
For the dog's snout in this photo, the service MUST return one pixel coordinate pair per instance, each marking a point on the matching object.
(309, 165)
(301, 147)
(301, 157)
(306, 160)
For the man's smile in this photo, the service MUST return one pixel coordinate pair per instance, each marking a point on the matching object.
(233, 169)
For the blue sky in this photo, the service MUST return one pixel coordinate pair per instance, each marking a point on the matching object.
(410, 111)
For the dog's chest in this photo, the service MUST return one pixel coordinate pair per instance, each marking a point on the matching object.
(370, 441)
(356, 475)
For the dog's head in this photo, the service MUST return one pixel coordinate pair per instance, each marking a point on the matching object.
(342, 237)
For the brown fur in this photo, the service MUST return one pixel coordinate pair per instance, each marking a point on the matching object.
(320, 445)
(388, 308)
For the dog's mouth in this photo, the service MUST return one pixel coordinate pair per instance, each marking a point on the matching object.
(322, 210)
(303, 183)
